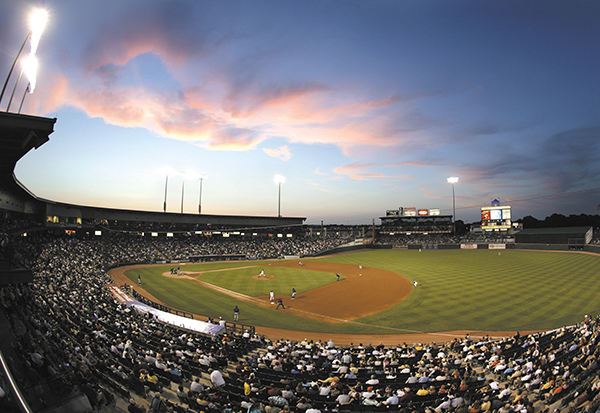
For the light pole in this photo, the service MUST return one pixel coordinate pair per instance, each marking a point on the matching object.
(279, 180)
(200, 196)
(36, 24)
(452, 180)
(23, 98)
(182, 187)
(166, 183)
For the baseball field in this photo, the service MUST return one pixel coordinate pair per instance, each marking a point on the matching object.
(457, 290)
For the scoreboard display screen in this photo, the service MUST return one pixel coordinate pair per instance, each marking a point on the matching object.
(495, 218)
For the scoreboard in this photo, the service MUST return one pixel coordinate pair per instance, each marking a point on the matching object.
(495, 218)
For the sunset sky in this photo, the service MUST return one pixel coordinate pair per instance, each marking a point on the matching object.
(363, 106)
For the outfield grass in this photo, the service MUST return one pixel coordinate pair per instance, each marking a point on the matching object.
(458, 290)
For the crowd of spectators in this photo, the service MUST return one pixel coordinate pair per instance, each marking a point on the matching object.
(67, 326)
(68, 329)
(522, 374)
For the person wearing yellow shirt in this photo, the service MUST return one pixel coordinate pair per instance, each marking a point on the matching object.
(423, 391)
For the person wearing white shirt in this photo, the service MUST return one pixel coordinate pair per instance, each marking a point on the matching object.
(217, 378)
(392, 400)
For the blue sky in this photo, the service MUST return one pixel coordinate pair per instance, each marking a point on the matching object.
(363, 106)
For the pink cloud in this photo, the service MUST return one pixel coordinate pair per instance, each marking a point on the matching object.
(243, 104)
(361, 172)
(283, 153)
(234, 140)
(412, 163)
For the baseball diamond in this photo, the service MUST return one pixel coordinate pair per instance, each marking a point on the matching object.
(382, 304)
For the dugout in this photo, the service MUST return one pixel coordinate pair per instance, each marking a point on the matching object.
(575, 237)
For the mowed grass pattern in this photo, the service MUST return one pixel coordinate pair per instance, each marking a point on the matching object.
(475, 290)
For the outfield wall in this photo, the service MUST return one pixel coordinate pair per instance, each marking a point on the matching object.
(592, 248)
(509, 246)
(543, 247)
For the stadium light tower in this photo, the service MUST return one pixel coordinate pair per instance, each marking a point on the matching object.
(167, 171)
(279, 180)
(201, 177)
(452, 180)
(182, 188)
(36, 25)
(166, 184)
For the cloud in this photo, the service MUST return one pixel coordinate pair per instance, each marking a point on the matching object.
(283, 153)
(413, 163)
(571, 159)
(235, 139)
(175, 31)
(243, 103)
(361, 172)
(319, 172)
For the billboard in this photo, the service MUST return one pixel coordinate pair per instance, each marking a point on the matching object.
(410, 211)
(496, 218)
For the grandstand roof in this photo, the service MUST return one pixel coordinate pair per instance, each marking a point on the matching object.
(18, 135)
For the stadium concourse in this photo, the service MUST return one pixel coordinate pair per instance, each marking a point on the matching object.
(65, 338)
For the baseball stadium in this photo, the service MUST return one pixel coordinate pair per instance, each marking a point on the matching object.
(112, 310)
(367, 293)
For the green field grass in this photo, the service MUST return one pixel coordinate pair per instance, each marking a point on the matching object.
(458, 290)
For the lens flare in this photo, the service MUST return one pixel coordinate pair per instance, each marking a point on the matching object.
(30, 69)
(36, 24)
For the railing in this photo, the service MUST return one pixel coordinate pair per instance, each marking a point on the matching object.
(239, 328)
(52, 393)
